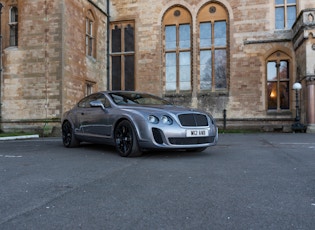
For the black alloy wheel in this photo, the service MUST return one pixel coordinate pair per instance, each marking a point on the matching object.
(126, 140)
(68, 137)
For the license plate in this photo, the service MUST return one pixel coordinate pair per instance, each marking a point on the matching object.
(196, 133)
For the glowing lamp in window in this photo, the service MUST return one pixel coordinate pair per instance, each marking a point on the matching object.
(273, 94)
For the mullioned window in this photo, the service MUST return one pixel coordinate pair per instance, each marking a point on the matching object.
(13, 23)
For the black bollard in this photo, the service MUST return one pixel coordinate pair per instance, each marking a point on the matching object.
(224, 119)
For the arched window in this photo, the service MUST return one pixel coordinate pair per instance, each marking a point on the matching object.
(13, 23)
(90, 35)
(177, 49)
(213, 21)
(278, 81)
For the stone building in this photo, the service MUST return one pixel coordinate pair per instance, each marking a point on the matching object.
(53, 53)
(238, 57)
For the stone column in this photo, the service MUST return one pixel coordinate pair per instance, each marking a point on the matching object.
(310, 104)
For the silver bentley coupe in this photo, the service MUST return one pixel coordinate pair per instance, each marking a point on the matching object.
(134, 122)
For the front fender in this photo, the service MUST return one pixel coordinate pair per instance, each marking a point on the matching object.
(139, 123)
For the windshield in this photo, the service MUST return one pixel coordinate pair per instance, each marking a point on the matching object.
(132, 98)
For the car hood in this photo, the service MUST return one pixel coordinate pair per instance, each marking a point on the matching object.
(159, 108)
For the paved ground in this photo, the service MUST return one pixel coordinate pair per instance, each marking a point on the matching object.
(247, 181)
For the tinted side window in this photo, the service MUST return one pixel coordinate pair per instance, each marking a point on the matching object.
(104, 101)
(85, 102)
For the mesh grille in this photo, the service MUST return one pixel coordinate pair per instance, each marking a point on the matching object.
(193, 119)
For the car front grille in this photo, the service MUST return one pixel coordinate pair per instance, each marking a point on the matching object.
(193, 119)
(191, 140)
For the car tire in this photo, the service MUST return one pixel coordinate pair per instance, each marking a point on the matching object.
(126, 142)
(68, 137)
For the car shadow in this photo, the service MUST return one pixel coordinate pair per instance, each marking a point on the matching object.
(104, 149)
(110, 150)
(175, 154)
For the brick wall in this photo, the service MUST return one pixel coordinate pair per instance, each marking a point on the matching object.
(31, 70)
(47, 72)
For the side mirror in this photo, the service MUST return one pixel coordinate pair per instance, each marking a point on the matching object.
(97, 104)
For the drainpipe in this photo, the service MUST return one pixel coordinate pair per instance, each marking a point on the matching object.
(108, 37)
(1, 6)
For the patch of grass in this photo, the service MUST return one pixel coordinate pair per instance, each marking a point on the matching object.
(14, 134)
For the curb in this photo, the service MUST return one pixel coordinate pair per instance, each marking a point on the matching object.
(19, 137)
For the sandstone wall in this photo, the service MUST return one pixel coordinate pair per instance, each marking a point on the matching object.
(47, 72)
(251, 38)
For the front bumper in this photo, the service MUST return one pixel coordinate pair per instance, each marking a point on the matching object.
(178, 139)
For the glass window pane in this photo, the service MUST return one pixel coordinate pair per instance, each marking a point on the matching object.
(170, 37)
(284, 95)
(86, 44)
(170, 71)
(91, 28)
(291, 16)
(220, 68)
(89, 46)
(184, 70)
(283, 70)
(116, 39)
(13, 35)
(271, 71)
(129, 38)
(14, 15)
(116, 72)
(87, 26)
(205, 34)
(291, 1)
(279, 2)
(205, 70)
(184, 36)
(220, 33)
(279, 18)
(272, 95)
(129, 73)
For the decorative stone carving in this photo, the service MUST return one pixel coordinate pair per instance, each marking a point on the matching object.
(308, 18)
(303, 27)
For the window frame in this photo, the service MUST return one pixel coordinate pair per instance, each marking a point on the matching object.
(177, 17)
(213, 13)
(125, 56)
(90, 34)
(285, 5)
(89, 87)
(278, 57)
(13, 35)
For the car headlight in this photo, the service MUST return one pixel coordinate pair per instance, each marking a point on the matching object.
(153, 119)
(166, 120)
